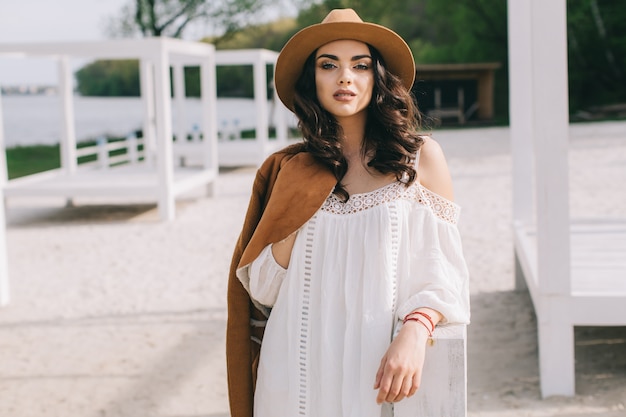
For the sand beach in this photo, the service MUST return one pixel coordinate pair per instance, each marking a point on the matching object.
(115, 313)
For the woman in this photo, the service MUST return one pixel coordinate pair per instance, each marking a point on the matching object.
(350, 238)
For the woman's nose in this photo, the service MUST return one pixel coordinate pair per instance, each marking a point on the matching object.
(345, 78)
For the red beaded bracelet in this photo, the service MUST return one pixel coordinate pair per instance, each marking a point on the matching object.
(430, 320)
(430, 333)
(426, 316)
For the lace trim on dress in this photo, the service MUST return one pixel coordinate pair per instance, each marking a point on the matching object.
(441, 207)
(395, 249)
(305, 302)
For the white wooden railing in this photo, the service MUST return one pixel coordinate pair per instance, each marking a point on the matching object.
(102, 151)
(443, 391)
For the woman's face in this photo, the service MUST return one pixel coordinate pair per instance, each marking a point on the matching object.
(344, 78)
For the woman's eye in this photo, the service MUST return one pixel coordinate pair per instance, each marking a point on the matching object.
(362, 66)
(327, 65)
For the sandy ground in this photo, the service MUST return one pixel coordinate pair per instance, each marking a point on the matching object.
(114, 313)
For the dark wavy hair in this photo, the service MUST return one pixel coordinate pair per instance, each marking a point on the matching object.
(392, 129)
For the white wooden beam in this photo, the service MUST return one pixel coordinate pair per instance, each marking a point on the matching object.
(444, 378)
(146, 82)
(208, 93)
(242, 56)
(181, 51)
(165, 163)
(551, 142)
(68, 133)
(178, 72)
(260, 100)
(520, 108)
(4, 270)
(551, 137)
(539, 132)
(280, 117)
(4, 173)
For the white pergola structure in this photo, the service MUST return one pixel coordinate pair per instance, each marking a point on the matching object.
(575, 271)
(254, 152)
(155, 177)
(236, 151)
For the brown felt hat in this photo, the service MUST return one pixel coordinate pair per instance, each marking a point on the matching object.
(340, 24)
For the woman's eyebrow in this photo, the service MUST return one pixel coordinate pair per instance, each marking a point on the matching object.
(328, 56)
(335, 58)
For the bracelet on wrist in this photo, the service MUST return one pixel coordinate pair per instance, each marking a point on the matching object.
(415, 316)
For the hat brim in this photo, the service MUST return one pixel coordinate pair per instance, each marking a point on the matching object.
(290, 63)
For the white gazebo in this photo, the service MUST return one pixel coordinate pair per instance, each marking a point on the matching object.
(575, 271)
(154, 177)
(254, 152)
(237, 151)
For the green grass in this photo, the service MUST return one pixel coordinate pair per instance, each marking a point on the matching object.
(27, 160)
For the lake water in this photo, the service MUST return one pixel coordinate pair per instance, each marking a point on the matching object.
(30, 120)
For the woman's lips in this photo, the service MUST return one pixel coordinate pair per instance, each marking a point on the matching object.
(344, 95)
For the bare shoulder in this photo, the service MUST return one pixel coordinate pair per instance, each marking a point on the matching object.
(433, 172)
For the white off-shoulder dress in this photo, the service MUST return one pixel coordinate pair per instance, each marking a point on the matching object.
(356, 269)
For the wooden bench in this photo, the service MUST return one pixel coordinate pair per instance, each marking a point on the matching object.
(457, 111)
(597, 294)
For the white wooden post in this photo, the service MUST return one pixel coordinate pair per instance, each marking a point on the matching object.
(4, 270)
(165, 163)
(208, 93)
(179, 102)
(260, 101)
(539, 113)
(103, 152)
(131, 148)
(521, 116)
(68, 134)
(280, 119)
(551, 134)
(147, 96)
(443, 392)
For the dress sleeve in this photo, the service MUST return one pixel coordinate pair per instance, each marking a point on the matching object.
(266, 277)
(439, 278)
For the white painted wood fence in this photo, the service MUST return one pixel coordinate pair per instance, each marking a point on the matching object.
(575, 272)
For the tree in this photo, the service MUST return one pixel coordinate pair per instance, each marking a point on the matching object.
(597, 53)
(109, 78)
(171, 17)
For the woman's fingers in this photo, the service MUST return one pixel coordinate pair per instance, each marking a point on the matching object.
(415, 386)
(394, 384)
(407, 386)
(379, 374)
(395, 390)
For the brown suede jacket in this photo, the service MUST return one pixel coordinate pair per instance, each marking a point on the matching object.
(288, 190)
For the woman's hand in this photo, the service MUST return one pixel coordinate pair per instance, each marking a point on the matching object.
(400, 370)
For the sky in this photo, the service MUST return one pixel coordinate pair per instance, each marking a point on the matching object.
(50, 21)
